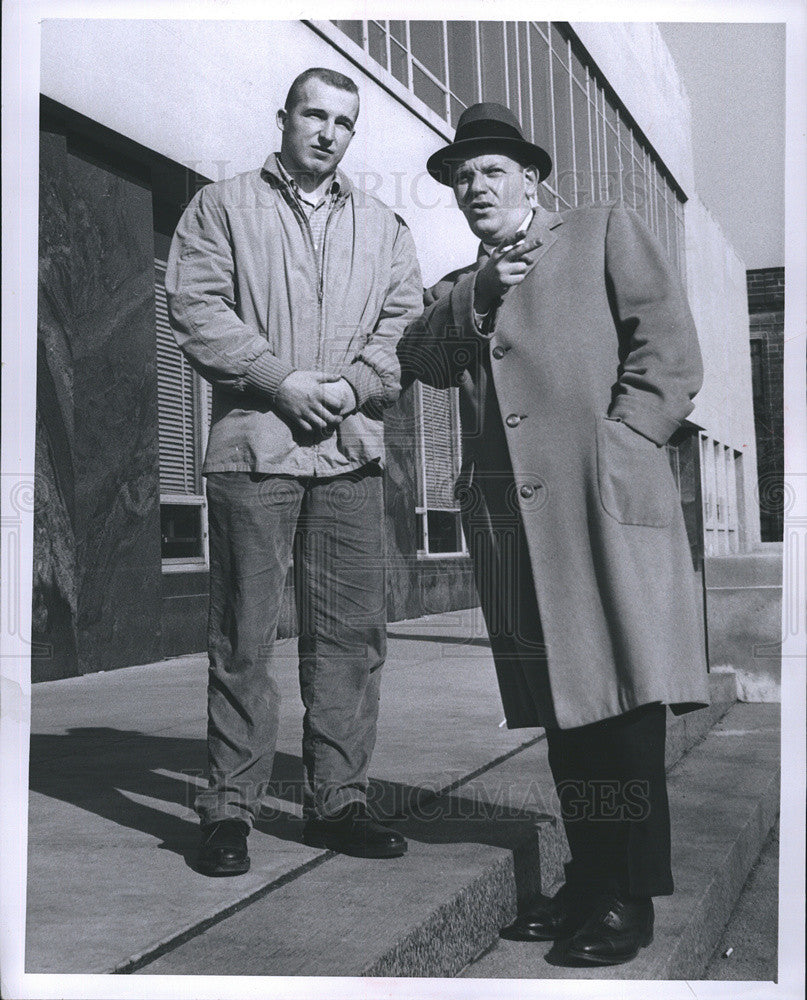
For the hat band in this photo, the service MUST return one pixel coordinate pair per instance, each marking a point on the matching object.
(487, 128)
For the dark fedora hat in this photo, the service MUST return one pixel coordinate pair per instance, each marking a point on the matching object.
(487, 124)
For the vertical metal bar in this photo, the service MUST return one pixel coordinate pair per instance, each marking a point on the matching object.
(409, 81)
(602, 127)
(668, 192)
(517, 55)
(589, 82)
(388, 46)
(552, 109)
(596, 136)
(571, 116)
(445, 66)
(478, 39)
(506, 67)
(527, 33)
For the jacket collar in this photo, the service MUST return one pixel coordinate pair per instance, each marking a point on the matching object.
(277, 176)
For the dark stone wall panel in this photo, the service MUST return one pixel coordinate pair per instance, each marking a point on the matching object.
(54, 597)
(116, 449)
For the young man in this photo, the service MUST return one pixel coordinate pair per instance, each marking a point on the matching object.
(576, 358)
(288, 292)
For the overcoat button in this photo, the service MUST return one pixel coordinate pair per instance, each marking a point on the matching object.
(499, 352)
(527, 492)
(513, 420)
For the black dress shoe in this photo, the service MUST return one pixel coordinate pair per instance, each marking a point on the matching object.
(354, 831)
(614, 932)
(223, 849)
(548, 919)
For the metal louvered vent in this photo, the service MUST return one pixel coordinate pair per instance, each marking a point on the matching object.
(441, 447)
(440, 457)
(178, 397)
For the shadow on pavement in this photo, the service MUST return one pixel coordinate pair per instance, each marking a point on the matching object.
(115, 774)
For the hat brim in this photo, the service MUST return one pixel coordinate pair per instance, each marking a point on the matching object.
(442, 164)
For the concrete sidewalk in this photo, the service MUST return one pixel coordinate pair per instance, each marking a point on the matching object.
(116, 759)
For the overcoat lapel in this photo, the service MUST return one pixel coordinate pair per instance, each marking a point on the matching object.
(545, 226)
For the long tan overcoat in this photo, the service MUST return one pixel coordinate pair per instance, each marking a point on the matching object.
(569, 504)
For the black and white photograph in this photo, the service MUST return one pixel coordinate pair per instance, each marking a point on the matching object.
(404, 501)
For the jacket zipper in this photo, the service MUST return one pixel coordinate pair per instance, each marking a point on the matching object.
(319, 268)
(321, 286)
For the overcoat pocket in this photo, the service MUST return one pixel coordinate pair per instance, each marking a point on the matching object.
(634, 476)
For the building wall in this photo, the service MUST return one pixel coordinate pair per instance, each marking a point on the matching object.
(717, 294)
(197, 93)
(766, 304)
(97, 550)
(639, 66)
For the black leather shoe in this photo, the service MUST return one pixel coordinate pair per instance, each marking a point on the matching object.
(548, 919)
(223, 849)
(614, 932)
(354, 831)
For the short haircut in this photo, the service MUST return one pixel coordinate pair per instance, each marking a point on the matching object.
(329, 76)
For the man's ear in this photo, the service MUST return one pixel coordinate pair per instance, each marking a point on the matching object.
(531, 182)
(280, 118)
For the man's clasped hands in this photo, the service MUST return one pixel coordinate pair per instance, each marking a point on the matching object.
(314, 401)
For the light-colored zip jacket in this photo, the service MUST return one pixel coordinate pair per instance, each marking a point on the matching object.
(250, 301)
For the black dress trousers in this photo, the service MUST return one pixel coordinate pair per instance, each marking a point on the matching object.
(612, 789)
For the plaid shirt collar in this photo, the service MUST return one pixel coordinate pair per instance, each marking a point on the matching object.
(331, 193)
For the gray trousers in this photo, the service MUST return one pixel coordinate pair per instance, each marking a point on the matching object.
(334, 528)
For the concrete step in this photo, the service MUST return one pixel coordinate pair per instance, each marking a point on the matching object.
(724, 799)
(479, 848)
(760, 568)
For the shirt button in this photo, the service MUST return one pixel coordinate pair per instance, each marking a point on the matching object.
(527, 492)
(513, 420)
(498, 352)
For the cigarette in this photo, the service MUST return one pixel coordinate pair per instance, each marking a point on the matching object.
(727, 952)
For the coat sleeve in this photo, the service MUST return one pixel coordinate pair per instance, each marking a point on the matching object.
(445, 339)
(375, 372)
(199, 285)
(661, 368)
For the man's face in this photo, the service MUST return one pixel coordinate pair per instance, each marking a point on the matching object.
(318, 129)
(493, 192)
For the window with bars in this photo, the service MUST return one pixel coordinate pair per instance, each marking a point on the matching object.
(439, 459)
(184, 410)
(539, 70)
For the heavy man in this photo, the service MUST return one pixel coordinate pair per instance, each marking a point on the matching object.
(289, 291)
(576, 359)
